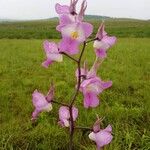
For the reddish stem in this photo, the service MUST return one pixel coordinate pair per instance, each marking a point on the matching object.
(91, 40)
(59, 103)
(74, 98)
(69, 57)
(84, 128)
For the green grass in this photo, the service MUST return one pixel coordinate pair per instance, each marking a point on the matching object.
(125, 106)
(47, 29)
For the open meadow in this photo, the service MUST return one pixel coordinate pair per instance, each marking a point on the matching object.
(47, 29)
(125, 105)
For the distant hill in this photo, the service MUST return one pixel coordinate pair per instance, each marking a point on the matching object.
(7, 20)
(87, 17)
(96, 17)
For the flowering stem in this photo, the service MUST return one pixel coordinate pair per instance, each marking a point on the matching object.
(59, 103)
(91, 40)
(69, 56)
(74, 98)
(84, 128)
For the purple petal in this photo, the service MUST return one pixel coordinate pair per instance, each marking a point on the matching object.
(38, 99)
(82, 10)
(50, 94)
(46, 63)
(62, 9)
(110, 40)
(40, 103)
(103, 138)
(65, 20)
(64, 113)
(90, 100)
(69, 46)
(35, 114)
(52, 53)
(75, 113)
(101, 32)
(108, 129)
(73, 6)
(55, 57)
(101, 53)
(50, 47)
(88, 29)
(91, 85)
(96, 126)
(106, 85)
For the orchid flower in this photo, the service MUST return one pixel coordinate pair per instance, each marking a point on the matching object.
(52, 54)
(65, 9)
(72, 29)
(41, 102)
(67, 14)
(101, 137)
(64, 115)
(91, 86)
(73, 35)
(103, 42)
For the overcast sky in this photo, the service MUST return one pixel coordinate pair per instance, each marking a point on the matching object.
(40, 9)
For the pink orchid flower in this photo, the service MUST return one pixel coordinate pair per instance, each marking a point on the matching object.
(73, 35)
(68, 14)
(52, 54)
(91, 88)
(101, 137)
(103, 42)
(72, 29)
(65, 9)
(91, 85)
(41, 102)
(64, 115)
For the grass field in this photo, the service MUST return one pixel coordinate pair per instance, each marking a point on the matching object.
(125, 106)
(47, 29)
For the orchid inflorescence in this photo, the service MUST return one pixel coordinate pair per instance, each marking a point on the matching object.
(74, 32)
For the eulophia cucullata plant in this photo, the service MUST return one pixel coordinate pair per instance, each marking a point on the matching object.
(74, 32)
